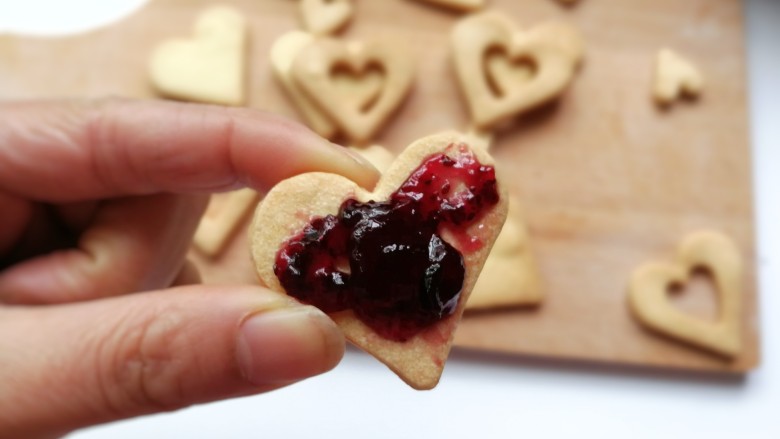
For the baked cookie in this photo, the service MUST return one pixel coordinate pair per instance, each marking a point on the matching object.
(649, 300)
(505, 71)
(510, 276)
(675, 77)
(393, 267)
(210, 67)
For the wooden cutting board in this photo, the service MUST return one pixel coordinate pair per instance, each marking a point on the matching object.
(608, 181)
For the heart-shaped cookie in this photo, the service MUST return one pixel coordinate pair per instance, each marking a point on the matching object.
(650, 284)
(209, 67)
(324, 17)
(675, 77)
(493, 61)
(510, 276)
(318, 68)
(357, 92)
(394, 273)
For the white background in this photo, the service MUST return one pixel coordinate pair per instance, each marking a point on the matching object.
(493, 396)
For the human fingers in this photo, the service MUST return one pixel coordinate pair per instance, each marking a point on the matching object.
(87, 363)
(78, 150)
(16, 213)
(188, 275)
(133, 244)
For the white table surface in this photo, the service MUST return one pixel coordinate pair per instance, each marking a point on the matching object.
(493, 396)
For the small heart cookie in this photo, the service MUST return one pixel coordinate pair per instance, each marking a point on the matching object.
(650, 283)
(393, 267)
(504, 72)
(210, 67)
(510, 276)
(675, 77)
(324, 17)
(458, 5)
(325, 69)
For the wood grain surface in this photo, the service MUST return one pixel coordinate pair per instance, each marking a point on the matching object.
(607, 179)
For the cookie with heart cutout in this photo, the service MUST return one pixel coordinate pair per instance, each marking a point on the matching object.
(360, 85)
(283, 53)
(394, 266)
(649, 300)
(505, 71)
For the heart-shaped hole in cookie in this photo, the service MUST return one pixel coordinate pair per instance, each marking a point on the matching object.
(504, 71)
(696, 297)
(363, 87)
(378, 75)
(507, 74)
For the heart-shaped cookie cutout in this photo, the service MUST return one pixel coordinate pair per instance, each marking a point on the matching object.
(510, 276)
(393, 267)
(323, 67)
(650, 284)
(675, 77)
(360, 90)
(209, 67)
(494, 60)
(325, 17)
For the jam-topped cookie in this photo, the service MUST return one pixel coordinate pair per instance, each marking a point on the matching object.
(393, 267)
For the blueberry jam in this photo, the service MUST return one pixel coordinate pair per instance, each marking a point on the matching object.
(387, 260)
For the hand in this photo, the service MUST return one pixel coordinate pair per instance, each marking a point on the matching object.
(100, 199)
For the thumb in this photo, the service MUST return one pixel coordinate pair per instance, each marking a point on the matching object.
(68, 366)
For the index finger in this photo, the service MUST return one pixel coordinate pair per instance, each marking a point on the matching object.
(73, 150)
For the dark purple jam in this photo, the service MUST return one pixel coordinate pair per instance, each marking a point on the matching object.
(387, 260)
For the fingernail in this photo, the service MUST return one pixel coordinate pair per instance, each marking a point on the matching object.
(365, 179)
(355, 156)
(288, 344)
